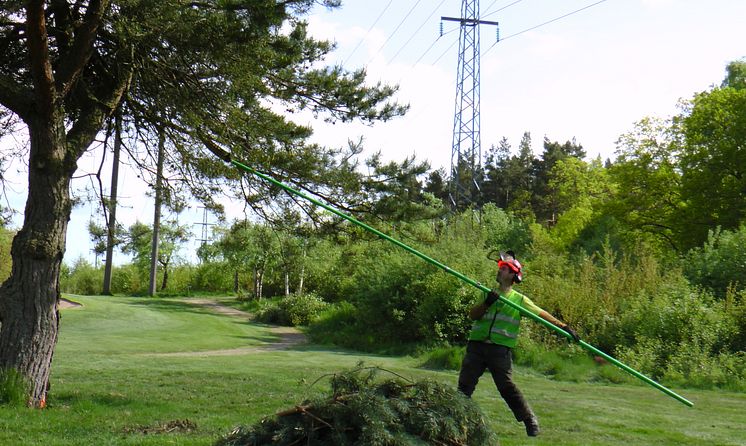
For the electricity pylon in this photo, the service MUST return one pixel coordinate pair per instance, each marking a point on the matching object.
(466, 150)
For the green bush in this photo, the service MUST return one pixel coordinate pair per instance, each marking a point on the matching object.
(293, 310)
(735, 307)
(212, 277)
(446, 358)
(82, 278)
(14, 388)
(383, 296)
(592, 292)
(720, 263)
(127, 279)
(443, 311)
(402, 299)
(302, 309)
(679, 315)
(693, 366)
(270, 314)
(340, 324)
(503, 231)
(682, 336)
(180, 279)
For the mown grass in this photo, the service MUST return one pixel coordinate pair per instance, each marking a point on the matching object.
(111, 385)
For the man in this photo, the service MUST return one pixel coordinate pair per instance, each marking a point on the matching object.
(493, 336)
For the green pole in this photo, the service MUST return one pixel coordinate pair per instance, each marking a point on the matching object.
(464, 278)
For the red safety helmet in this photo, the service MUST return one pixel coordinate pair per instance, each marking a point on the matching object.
(508, 258)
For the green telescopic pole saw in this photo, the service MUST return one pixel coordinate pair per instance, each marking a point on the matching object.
(226, 157)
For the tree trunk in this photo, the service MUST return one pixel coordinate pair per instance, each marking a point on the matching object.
(164, 284)
(112, 223)
(157, 214)
(260, 283)
(256, 283)
(235, 281)
(300, 281)
(302, 271)
(287, 283)
(29, 317)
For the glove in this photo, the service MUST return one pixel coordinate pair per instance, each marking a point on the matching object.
(572, 333)
(492, 297)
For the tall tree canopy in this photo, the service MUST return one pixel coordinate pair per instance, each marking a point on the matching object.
(648, 193)
(680, 179)
(207, 73)
(713, 162)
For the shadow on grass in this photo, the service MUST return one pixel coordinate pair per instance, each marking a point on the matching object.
(260, 339)
(103, 399)
(170, 305)
(342, 351)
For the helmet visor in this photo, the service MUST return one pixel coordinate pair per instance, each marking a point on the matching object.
(510, 262)
(515, 269)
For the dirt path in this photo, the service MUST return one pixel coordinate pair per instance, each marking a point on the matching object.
(288, 336)
(67, 303)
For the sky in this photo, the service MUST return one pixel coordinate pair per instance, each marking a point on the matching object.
(589, 75)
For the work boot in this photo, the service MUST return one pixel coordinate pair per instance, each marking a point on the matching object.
(532, 426)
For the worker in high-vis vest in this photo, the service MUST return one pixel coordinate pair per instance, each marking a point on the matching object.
(493, 336)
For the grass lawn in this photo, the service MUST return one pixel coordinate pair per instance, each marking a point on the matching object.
(112, 385)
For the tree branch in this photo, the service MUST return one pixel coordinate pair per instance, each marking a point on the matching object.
(75, 61)
(90, 121)
(41, 67)
(15, 97)
(63, 22)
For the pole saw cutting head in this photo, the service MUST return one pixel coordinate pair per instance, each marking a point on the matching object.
(507, 258)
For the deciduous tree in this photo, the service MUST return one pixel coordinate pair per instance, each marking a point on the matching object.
(138, 241)
(713, 161)
(648, 195)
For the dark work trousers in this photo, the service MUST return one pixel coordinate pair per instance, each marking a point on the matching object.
(498, 360)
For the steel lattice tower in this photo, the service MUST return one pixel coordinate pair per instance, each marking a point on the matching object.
(466, 150)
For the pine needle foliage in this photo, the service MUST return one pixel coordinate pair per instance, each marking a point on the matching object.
(365, 410)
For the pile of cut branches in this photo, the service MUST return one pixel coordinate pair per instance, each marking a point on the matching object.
(363, 410)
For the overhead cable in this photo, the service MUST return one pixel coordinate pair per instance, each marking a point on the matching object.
(368, 32)
(395, 30)
(416, 31)
(491, 5)
(432, 45)
(542, 24)
(504, 7)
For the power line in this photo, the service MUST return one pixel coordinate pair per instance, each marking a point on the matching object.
(368, 32)
(444, 52)
(542, 24)
(433, 44)
(504, 7)
(428, 49)
(416, 31)
(491, 5)
(395, 30)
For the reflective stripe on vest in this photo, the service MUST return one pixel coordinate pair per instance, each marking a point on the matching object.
(500, 324)
(499, 317)
(505, 333)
